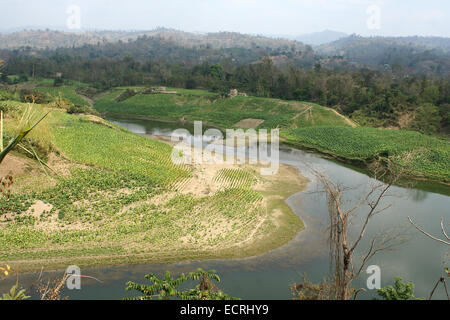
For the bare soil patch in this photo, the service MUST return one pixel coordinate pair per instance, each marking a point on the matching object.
(249, 123)
(15, 165)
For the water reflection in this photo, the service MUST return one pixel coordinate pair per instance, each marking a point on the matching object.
(417, 195)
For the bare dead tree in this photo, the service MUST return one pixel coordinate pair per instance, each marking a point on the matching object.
(52, 289)
(342, 244)
(446, 241)
(313, 291)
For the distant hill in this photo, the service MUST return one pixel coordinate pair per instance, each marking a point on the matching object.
(48, 39)
(161, 44)
(421, 43)
(412, 54)
(318, 38)
(419, 54)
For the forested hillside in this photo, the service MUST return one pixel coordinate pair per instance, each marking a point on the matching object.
(412, 54)
(48, 39)
(398, 83)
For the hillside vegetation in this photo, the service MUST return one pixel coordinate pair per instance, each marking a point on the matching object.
(48, 39)
(302, 124)
(107, 196)
(422, 54)
(191, 105)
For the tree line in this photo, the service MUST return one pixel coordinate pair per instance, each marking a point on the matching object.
(380, 98)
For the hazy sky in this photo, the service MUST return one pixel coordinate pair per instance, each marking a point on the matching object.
(282, 17)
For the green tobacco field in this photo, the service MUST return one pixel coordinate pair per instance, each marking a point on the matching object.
(109, 196)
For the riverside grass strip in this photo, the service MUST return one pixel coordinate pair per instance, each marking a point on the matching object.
(431, 155)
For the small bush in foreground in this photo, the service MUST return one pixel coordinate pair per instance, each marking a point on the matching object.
(77, 109)
(399, 291)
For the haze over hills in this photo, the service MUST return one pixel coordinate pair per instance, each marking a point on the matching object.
(322, 37)
(327, 41)
(160, 44)
(421, 54)
(420, 42)
(50, 39)
(414, 54)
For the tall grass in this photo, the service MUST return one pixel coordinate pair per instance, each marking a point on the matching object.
(27, 120)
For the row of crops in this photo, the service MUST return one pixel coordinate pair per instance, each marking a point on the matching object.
(235, 178)
(99, 145)
(302, 124)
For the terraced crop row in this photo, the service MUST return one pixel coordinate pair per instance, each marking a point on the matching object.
(235, 178)
(117, 200)
(101, 146)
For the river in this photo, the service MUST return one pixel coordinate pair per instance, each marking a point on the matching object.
(271, 275)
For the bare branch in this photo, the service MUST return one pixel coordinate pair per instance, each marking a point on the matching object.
(427, 234)
(436, 285)
(369, 215)
(443, 229)
(446, 290)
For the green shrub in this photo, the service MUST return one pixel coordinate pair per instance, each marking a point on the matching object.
(33, 96)
(77, 109)
(166, 288)
(87, 91)
(126, 95)
(58, 82)
(6, 95)
(15, 294)
(399, 291)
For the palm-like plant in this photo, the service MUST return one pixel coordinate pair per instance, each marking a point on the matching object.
(26, 124)
(15, 294)
(167, 287)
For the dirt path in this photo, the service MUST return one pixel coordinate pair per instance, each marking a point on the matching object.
(249, 123)
(350, 122)
(87, 99)
(309, 116)
(299, 114)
